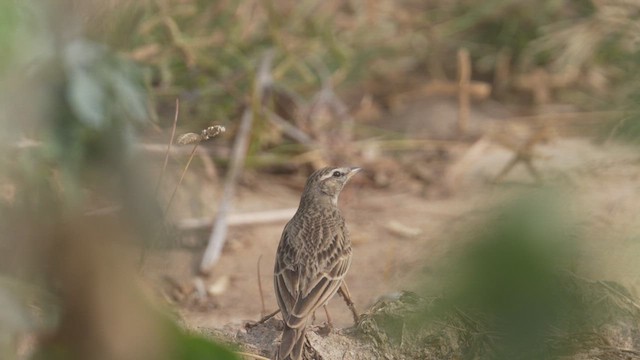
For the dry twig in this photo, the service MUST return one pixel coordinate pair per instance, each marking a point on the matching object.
(191, 138)
(166, 156)
(262, 309)
(184, 171)
(464, 79)
(251, 218)
(502, 71)
(289, 130)
(525, 153)
(477, 90)
(541, 83)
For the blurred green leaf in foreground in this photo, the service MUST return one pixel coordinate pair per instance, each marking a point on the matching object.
(511, 277)
(69, 110)
(510, 292)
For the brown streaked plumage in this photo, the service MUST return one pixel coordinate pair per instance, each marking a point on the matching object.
(313, 257)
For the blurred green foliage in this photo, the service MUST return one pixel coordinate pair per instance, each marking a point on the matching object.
(176, 344)
(513, 285)
(511, 277)
(195, 347)
(508, 292)
(80, 105)
(8, 26)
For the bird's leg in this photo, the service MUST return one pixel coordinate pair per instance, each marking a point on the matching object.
(329, 322)
(344, 292)
(251, 324)
(324, 329)
(327, 327)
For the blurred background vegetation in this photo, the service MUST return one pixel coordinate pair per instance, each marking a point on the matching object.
(83, 83)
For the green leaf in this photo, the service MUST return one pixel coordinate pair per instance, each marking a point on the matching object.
(129, 95)
(192, 347)
(189, 346)
(86, 97)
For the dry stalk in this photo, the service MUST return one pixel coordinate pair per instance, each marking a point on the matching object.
(616, 128)
(262, 309)
(207, 162)
(191, 138)
(166, 156)
(478, 90)
(576, 116)
(541, 83)
(184, 171)
(464, 79)
(173, 30)
(502, 71)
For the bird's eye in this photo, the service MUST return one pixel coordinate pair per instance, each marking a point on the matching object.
(337, 173)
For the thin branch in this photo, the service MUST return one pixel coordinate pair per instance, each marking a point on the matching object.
(219, 231)
(251, 218)
(184, 171)
(263, 309)
(207, 162)
(464, 78)
(166, 156)
(289, 129)
(152, 148)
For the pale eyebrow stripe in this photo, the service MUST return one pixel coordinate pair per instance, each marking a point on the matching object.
(330, 174)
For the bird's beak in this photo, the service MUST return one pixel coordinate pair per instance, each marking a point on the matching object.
(353, 171)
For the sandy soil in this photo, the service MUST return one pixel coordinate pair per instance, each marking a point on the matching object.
(384, 262)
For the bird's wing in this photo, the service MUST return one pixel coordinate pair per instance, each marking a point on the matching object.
(300, 292)
(286, 278)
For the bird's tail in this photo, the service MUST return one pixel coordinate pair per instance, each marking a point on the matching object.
(292, 346)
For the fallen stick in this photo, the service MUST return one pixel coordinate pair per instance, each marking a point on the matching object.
(219, 231)
(251, 218)
(153, 148)
(477, 90)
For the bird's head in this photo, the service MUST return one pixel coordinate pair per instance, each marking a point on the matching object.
(328, 182)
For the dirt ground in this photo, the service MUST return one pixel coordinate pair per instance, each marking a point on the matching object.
(402, 230)
(383, 262)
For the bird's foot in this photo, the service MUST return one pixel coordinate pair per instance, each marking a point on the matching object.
(322, 330)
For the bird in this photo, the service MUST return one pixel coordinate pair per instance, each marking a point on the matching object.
(312, 258)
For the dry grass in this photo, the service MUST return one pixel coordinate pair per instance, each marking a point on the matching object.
(205, 53)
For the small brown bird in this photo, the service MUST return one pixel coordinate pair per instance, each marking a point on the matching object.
(313, 257)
